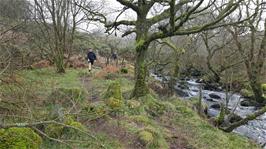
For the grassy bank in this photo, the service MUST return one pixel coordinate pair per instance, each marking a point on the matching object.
(111, 122)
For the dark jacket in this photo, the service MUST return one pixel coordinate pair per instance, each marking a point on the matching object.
(91, 57)
(114, 56)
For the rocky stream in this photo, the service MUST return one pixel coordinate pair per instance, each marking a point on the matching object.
(188, 88)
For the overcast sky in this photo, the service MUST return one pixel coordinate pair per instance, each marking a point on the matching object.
(112, 7)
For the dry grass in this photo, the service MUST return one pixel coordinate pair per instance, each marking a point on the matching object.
(106, 71)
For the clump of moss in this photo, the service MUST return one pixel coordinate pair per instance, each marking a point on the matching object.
(19, 138)
(145, 137)
(124, 70)
(246, 93)
(152, 137)
(263, 87)
(77, 127)
(113, 98)
(114, 103)
(146, 128)
(114, 90)
(71, 122)
(71, 128)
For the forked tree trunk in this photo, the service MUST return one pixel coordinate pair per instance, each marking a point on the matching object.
(59, 62)
(60, 67)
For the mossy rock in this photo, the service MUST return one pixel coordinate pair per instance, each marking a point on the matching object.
(72, 129)
(77, 127)
(248, 103)
(152, 137)
(114, 90)
(19, 138)
(71, 122)
(145, 137)
(63, 96)
(263, 87)
(246, 93)
(114, 103)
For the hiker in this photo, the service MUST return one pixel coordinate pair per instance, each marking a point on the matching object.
(91, 57)
(115, 57)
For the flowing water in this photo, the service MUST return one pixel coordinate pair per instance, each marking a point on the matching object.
(255, 130)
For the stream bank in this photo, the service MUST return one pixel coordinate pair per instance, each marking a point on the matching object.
(189, 88)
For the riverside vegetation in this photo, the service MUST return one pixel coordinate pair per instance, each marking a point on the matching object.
(95, 112)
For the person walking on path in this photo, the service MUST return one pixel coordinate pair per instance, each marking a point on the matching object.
(91, 57)
(115, 58)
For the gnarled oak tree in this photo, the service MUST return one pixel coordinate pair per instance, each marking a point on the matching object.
(158, 19)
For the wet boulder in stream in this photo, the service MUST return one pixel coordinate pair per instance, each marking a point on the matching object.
(248, 103)
(209, 99)
(216, 106)
(212, 87)
(215, 96)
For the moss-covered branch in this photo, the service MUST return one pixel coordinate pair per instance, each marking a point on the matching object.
(250, 117)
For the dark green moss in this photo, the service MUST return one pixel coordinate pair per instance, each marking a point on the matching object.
(114, 90)
(19, 138)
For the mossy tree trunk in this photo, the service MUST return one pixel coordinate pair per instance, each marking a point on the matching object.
(141, 72)
(255, 85)
(175, 75)
(142, 45)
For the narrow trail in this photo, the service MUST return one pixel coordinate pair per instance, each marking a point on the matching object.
(93, 94)
(102, 125)
(119, 133)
